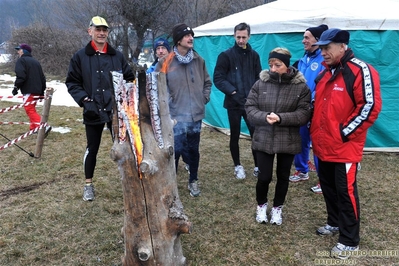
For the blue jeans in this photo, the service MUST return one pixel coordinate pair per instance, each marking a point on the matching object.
(301, 159)
(187, 139)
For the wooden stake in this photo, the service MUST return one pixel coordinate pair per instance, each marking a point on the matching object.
(46, 110)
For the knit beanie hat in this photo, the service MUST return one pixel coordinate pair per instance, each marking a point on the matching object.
(179, 31)
(317, 31)
(24, 46)
(162, 42)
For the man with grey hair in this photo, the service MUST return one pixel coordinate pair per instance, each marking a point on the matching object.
(346, 103)
(90, 85)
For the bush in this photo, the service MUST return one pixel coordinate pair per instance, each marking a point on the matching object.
(53, 48)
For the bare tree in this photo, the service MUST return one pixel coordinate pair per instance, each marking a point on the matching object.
(198, 12)
(52, 48)
(54, 36)
(59, 27)
(238, 6)
(76, 14)
(142, 15)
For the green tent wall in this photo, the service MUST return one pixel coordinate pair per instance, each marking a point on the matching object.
(380, 48)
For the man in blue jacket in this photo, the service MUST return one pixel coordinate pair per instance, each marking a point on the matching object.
(90, 84)
(310, 65)
(162, 49)
(236, 71)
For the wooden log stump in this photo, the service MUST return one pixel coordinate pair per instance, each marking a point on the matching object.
(154, 215)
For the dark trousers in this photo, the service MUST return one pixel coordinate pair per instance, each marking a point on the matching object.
(93, 136)
(235, 116)
(338, 182)
(187, 138)
(266, 162)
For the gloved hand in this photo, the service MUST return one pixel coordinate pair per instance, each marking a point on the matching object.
(15, 91)
(239, 99)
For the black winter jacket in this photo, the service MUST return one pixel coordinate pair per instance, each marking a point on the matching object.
(89, 75)
(30, 76)
(237, 70)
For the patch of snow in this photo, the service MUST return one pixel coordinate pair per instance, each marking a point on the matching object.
(61, 97)
(4, 58)
(61, 130)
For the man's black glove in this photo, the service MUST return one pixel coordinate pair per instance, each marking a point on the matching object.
(15, 91)
(239, 99)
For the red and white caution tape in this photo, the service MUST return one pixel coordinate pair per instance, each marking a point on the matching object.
(11, 108)
(14, 123)
(19, 97)
(13, 141)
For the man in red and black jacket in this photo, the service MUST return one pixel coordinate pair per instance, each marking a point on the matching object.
(347, 102)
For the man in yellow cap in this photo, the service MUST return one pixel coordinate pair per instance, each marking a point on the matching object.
(89, 83)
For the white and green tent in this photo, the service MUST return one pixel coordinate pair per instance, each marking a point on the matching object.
(374, 29)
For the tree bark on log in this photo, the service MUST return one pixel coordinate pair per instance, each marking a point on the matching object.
(154, 216)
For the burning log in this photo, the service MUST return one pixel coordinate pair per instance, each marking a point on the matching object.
(143, 150)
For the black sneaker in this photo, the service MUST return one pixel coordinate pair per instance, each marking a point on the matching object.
(48, 129)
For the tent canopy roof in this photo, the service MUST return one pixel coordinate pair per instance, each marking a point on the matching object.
(296, 15)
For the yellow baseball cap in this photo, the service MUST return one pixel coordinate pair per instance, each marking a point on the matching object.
(98, 21)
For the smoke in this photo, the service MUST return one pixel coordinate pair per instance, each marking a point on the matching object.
(187, 128)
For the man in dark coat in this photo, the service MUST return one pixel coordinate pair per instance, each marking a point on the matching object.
(236, 71)
(90, 84)
(31, 81)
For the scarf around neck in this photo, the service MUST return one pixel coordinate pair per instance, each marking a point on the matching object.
(184, 59)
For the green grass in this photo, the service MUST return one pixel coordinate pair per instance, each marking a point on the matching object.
(43, 220)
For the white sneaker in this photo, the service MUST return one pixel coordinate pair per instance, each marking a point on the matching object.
(327, 230)
(342, 251)
(88, 192)
(194, 189)
(299, 176)
(261, 216)
(239, 172)
(317, 189)
(276, 215)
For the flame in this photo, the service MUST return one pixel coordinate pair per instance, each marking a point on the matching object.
(127, 100)
(131, 108)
